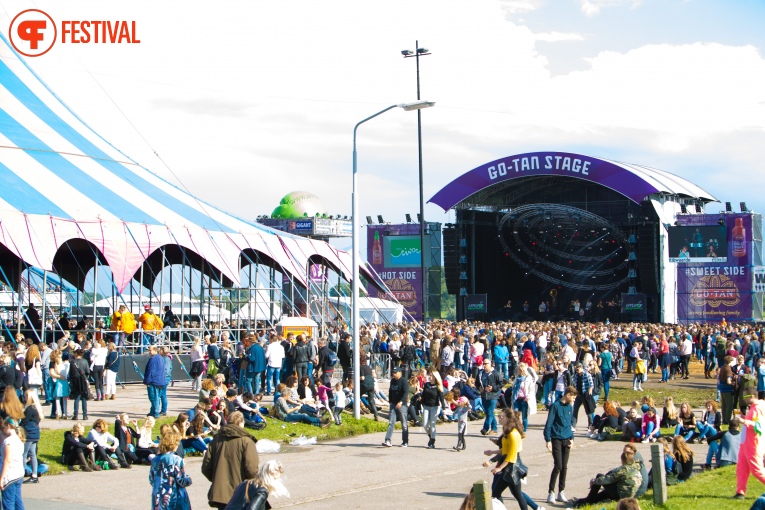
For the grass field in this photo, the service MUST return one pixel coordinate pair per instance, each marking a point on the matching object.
(49, 446)
(705, 491)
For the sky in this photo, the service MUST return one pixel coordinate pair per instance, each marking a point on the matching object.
(243, 102)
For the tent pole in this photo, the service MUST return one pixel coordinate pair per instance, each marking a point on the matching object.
(183, 291)
(20, 294)
(249, 300)
(271, 284)
(44, 304)
(95, 289)
(162, 281)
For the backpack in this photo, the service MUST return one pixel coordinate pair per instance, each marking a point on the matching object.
(332, 357)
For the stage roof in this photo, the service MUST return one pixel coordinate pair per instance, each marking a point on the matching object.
(636, 182)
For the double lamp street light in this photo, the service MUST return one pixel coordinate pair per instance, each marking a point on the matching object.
(356, 322)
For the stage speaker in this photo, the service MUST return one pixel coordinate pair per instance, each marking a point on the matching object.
(648, 257)
(450, 243)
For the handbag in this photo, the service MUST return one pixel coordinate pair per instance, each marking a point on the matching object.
(515, 474)
(34, 374)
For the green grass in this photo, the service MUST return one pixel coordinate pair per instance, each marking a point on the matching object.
(694, 396)
(49, 446)
(704, 491)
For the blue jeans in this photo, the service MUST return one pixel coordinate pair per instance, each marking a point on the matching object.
(310, 371)
(606, 382)
(648, 431)
(502, 369)
(304, 418)
(195, 443)
(12, 497)
(429, 419)
(522, 406)
(163, 398)
(714, 448)
(705, 430)
(47, 385)
(62, 404)
(77, 400)
(247, 383)
(155, 399)
(686, 433)
(30, 448)
(490, 423)
(272, 374)
(547, 390)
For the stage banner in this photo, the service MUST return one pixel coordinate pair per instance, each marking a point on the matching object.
(710, 293)
(758, 279)
(634, 307)
(476, 305)
(394, 251)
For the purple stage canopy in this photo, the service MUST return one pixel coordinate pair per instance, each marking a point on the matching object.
(633, 181)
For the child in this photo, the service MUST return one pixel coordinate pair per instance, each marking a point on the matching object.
(447, 413)
(650, 426)
(461, 413)
(640, 367)
(12, 471)
(323, 392)
(341, 401)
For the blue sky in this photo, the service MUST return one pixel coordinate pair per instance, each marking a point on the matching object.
(249, 102)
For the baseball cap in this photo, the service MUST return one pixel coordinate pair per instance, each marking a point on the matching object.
(231, 393)
(397, 369)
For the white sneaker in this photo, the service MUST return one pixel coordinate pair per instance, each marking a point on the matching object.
(387, 444)
(562, 497)
(645, 440)
(551, 498)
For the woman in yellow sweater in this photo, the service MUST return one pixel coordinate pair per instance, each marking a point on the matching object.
(510, 445)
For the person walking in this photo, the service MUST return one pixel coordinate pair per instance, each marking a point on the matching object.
(168, 477)
(154, 379)
(256, 365)
(559, 438)
(752, 447)
(79, 371)
(489, 382)
(231, 458)
(432, 400)
(583, 383)
(398, 399)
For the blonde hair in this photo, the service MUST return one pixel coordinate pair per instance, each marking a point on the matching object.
(269, 477)
(169, 442)
(672, 411)
(435, 375)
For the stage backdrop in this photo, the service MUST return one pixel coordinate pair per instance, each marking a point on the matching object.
(709, 292)
(394, 251)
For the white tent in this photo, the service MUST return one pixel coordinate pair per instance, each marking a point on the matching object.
(370, 310)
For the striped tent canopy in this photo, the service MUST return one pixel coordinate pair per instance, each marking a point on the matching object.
(64, 189)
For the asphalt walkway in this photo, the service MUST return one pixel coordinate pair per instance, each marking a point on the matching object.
(354, 472)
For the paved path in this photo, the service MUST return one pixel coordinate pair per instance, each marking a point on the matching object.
(350, 473)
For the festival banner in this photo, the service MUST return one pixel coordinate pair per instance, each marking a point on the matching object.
(758, 279)
(712, 293)
(476, 305)
(634, 307)
(394, 251)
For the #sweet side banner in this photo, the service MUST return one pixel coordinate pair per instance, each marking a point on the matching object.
(712, 293)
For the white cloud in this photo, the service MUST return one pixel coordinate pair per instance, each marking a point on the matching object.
(593, 7)
(558, 36)
(520, 6)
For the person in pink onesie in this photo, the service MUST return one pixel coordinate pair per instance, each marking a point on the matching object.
(753, 446)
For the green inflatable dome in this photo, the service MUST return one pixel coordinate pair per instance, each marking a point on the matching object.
(299, 204)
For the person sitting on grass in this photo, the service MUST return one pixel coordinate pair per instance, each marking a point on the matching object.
(669, 413)
(79, 450)
(686, 426)
(196, 434)
(683, 458)
(649, 426)
(126, 437)
(727, 449)
(710, 422)
(632, 424)
(669, 464)
(106, 444)
(146, 449)
(619, 483)
(284, 411)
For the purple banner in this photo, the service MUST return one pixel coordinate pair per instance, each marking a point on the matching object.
(712, 293)
(564, 164)
(394, 252)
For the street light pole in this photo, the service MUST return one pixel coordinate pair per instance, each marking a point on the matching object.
(355, 318)
(423, 275)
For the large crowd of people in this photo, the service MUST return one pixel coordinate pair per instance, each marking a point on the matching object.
(494, 372)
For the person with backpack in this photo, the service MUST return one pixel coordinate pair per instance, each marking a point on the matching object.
(327, 360)
(256, 365)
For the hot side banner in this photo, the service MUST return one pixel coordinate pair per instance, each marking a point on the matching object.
(710, 293)
(394, 252)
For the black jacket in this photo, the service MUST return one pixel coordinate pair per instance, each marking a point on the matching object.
(257, 496)
(399, 392)
(301, 352)
(344, 352)
(432, 396)
(494, 380)
(122, 436)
